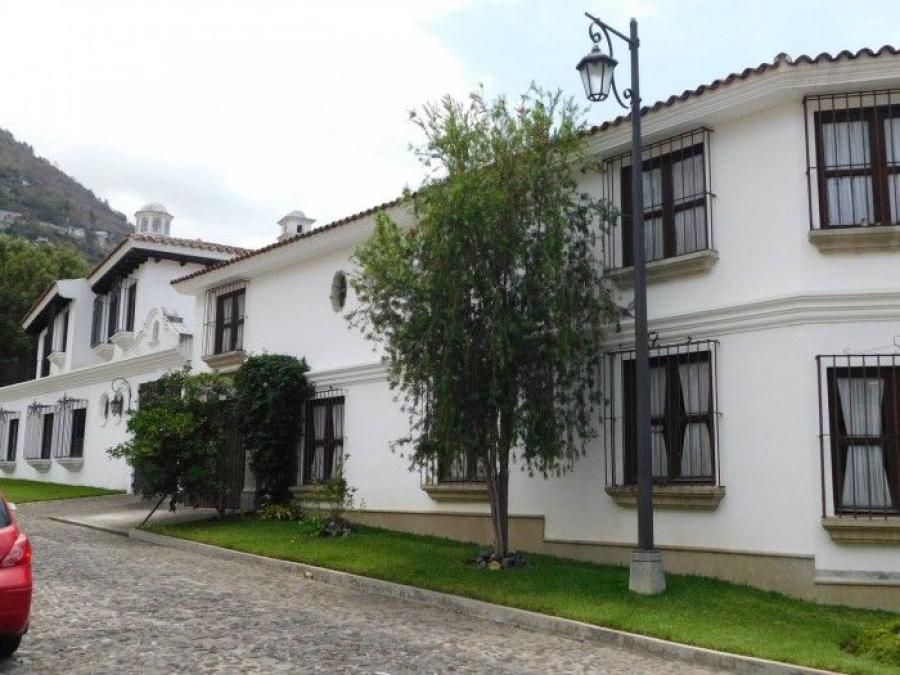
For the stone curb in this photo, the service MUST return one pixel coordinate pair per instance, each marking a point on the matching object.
(92, 526)
(497, 613)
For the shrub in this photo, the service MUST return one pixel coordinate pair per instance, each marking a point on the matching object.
(270, 390)
(880, 642)
(281, 512)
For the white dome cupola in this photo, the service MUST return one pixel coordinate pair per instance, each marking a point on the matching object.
(153, 218)
(294, 223)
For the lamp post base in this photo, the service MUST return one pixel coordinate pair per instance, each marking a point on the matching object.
(647, 576)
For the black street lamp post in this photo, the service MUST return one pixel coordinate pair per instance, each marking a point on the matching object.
(597, 75)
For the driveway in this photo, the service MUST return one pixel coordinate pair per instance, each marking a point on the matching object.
(107, 604)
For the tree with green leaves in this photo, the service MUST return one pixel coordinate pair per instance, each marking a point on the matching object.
(26, 269)
(177, 439)
(270, 390)
(492, 308)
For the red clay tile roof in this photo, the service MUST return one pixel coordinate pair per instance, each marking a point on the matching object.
(298, 237)
(781, 59)
(174, 241)
(148, 238)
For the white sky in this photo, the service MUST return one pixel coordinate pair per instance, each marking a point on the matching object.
(232, 113)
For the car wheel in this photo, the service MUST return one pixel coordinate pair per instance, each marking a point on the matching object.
(8, 645)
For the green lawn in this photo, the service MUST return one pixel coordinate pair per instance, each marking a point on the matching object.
(21, 491)
(694, 610)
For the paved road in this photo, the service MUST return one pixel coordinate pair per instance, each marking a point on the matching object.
(106, 604)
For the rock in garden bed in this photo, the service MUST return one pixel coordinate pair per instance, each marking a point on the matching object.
(491, 561)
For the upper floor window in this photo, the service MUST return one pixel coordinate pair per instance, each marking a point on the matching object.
(854, 159)
(683, 414)
(114, 312)
(676, 196)
(861, 395)
(225, 319)
(60, 332)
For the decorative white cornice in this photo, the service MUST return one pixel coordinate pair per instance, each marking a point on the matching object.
(163, 360)
(775, 312)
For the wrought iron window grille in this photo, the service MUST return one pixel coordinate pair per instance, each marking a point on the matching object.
(677, 199)
(223, 329)
(323, 439)
(859, 434)
(684, 414)
(853, 158)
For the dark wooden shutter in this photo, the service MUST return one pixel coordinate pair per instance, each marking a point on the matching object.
(112, 324)
(130, 307)
(47, 436)
(76, 446)
(65, 330)
(12, 440)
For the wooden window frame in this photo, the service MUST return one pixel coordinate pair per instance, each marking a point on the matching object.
(330, 443)
(11, 442)
(237, 321)
(889, 440)
(667, 207)
(47, 422)
(79, 428)
(878, 168)
(674, 419)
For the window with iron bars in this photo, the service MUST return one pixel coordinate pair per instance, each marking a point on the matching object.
(677, 199)
(69, 427)
(683, 415)
(323, 438)
(859, 432)
(853, 158)
(39, 431)
(224, 329)
(465, 467)
(9, 435)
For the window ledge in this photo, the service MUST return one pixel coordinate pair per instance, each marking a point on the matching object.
(7, 465)
(856, 239)
(226, 361)
(309, 493)
(685, 497)
(58, 359)
(38, 464)
(123, 339)
(457, 492)
(71, 463)
(667, 268)
(104, 350)
(862, 530)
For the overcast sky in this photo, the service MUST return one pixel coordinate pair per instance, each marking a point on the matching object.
(233, 113)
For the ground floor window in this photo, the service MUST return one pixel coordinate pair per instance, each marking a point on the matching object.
(9, 435)
(463, 468)
(323, 439)
(682, 413)
(862, 399)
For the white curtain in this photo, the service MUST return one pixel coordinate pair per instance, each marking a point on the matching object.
(846, 145)
(660, 462)
(337, 429)
(62, 431)
(892, 147)
(318, 463)
(653, 227)
(865, 477)
(690, 230)
(696, 453)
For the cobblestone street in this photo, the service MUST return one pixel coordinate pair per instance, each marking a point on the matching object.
(104, 604)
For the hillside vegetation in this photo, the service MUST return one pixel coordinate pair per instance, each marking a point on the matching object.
(43, 204)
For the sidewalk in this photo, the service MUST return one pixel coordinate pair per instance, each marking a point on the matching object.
(117, 514)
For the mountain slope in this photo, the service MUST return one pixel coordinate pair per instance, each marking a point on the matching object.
(42, 203)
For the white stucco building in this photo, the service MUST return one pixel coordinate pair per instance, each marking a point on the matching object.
(99, 338)
(772, 207)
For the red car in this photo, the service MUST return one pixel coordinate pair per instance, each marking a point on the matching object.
(15, 580)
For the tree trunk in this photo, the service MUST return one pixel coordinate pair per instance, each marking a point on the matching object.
(498, 494)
